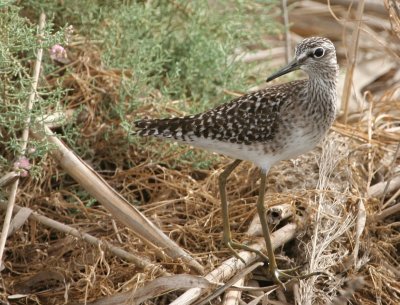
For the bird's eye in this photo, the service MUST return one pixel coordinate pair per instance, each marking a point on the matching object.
(319, 52)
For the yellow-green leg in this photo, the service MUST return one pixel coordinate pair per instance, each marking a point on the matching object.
(227, 237)
(272, 266)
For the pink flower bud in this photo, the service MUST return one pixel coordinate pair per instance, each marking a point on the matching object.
(24, 163)
(58, 53)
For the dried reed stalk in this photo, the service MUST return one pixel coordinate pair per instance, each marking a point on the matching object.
(232, 297)
(394, 15)
(231, 284)
(153, 289)
(352, 55)
(8, 178)
(275, 215)
(139, 261)
(118, 206)
(280, 212)
(229, 267)
(378, 189)
(388, 212)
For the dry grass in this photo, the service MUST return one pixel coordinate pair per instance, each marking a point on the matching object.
(338, 233)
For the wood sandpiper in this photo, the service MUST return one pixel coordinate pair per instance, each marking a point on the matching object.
(273, 124)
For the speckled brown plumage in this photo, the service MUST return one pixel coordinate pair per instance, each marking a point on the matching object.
(253, 117)
(269, 125)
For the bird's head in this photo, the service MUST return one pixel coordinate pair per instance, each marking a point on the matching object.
(313, 55)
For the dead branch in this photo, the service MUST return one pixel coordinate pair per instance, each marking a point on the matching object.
(118, 206)
(232, 265)
(139, 261)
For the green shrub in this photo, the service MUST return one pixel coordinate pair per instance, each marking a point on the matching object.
(184, 49)
(19, 43)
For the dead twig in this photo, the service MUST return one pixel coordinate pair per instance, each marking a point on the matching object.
(156, 287)
(387, 212)
(139, 261)
(8, 178)
(229, 267)
(275, 215)
(238, 279)
(360, 226)
(118, 206)
(280, 212)
(378, 190)
(232, 297)
(352, 55)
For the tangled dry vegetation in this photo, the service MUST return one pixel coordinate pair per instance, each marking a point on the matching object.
(337, 207)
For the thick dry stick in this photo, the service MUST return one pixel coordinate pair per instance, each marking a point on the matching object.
(383, 187)
(8, 178)
(387, 212)
(232, 297)
(275, 215)
(141, 262)
(280, 212)
(231, 282)
(96, 186)
(25, 134)
(391, 199)
(230, 266)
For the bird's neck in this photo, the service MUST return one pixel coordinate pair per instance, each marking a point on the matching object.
(322, 92)
(322, 83)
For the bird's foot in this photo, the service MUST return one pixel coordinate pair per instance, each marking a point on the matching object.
(275, 274)
(278, 274)
(232, 245)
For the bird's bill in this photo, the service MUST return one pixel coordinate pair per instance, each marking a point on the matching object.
(292, 66)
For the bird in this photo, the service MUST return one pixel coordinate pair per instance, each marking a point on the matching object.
(264, 127)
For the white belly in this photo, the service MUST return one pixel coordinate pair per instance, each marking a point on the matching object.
(296, 145)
